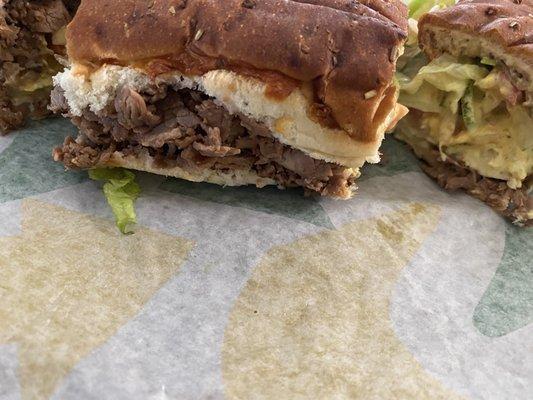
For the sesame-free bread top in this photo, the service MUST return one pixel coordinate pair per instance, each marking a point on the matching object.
(500, 29)
(346, 49)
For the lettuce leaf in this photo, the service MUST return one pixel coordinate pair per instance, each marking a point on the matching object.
(417, 8)
(121, 191)
(440, 85)
(413, 59)
(488, 61)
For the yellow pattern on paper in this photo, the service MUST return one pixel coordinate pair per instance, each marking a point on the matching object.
(313, 320)
(68, 282)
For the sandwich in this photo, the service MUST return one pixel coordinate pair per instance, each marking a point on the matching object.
(236, 92)
(31, 40)
(470, 95)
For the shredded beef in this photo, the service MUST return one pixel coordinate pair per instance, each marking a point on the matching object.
(26, 28)
(58, 102)
(46, 16)
(9, 118)
(514, 204)
(132, 111)
(186, 128)
(212, 146)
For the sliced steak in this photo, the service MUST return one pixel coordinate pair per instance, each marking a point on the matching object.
(185, 128)
(212, 145)
(132, 111)
(45, 16)
(514, 204)
(27, 56)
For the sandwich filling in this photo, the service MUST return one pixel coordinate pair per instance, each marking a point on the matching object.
(182, 127)
(31, 35)
(471, 110)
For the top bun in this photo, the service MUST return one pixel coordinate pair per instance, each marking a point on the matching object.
(499, 29)
(345, 50)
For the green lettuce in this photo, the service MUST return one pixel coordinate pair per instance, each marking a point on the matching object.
(413, 59)
(121, 191)
(488, 61)
(417, 8)
(439, 86)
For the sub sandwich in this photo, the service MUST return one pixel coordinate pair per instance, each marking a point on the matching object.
(31, 39)
(265, 92)
(470, 95)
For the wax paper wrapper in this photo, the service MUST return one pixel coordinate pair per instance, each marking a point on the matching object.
(404, 292)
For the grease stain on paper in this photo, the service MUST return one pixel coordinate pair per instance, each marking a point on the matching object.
(313, 320)
(69, 282)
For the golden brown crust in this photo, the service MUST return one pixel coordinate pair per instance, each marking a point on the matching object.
(505, 23)
(348, 49)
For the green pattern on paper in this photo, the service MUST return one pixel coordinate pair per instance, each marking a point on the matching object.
(396, 159)
(27, 167)
(507, 304)
(271, 200)
(291, 203)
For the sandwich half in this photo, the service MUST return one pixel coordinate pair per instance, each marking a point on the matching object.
(470, 96)
(31, 38)
(235, 92)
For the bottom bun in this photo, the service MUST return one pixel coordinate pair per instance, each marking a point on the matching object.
(80, 156)
(147, 163)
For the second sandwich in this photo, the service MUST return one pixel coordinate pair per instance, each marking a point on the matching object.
(471, 102)
(272, 92)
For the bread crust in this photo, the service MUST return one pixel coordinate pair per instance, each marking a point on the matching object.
(505, 27)
(347, 49)
(148, 164)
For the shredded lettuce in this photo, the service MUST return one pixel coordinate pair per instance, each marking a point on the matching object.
(439, 86)
(413, 59)
(417, 8)
(467, 107)
(488, 61)
(467, 115)
(121, 191)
